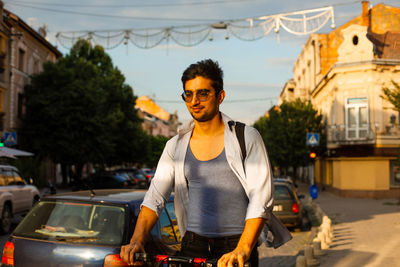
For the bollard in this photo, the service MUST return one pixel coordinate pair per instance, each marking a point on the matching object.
(317, 249)
(301, 261)
(308, 253)
(327, 224)
(321, 237)
(325, 218)
(330, 230)
(327, 236)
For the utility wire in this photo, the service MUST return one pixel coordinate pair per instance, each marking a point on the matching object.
(134, 5)
(112, 16)
(31, 5)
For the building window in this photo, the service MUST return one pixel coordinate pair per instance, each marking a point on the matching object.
(2, 57)
(20, 104)
(357, 118)
(36, 67)
(21, 59)
(355, 40)
(333, 117)
(2, 100)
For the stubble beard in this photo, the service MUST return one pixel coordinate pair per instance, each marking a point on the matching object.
(201, 118)
(206, 116)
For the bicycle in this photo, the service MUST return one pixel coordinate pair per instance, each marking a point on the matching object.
(160, 260)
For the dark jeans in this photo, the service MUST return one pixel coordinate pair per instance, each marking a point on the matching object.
(194, 245)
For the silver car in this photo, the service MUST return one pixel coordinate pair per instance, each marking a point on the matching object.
(17, 197)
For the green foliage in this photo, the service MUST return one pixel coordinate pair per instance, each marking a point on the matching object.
(284, 133)
(392, 95)
(80, 110)
(155, 148)
(32, 167)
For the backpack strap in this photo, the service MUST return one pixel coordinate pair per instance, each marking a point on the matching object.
(239, 130)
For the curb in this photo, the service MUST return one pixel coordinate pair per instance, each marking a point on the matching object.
(320, 237)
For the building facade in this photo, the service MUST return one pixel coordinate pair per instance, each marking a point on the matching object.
(156, 121)
(4, 65)
(23, 52)
(343, 73)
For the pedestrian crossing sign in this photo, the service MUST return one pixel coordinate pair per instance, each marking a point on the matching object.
(10, 138)
(312, 139)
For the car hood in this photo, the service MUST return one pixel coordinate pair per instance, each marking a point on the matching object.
(30, 252)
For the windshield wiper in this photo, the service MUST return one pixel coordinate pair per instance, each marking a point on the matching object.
(76, 239)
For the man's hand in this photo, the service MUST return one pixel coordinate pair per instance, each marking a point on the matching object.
(128, 252)
(248, 240)
(239, 256)
(146, 220)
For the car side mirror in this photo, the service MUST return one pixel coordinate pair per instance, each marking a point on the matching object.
(301, 196)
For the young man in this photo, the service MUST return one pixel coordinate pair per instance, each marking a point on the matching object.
(221, 200)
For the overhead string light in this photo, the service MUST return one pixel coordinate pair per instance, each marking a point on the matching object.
(250, 29)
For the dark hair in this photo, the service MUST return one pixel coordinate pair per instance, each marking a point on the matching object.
(208, 69)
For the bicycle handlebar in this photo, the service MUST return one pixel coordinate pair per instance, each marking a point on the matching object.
(161, 259)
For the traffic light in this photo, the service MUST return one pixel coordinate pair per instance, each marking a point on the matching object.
(1, 142)
(312, 154)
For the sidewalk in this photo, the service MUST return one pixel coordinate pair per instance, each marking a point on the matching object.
(286, 255)
(366, 231)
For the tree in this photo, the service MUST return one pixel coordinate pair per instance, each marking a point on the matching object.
(80, 110)
(156, 147)
(284, 133)
(392, 95)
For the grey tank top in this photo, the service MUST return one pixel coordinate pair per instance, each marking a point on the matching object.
(217, 200)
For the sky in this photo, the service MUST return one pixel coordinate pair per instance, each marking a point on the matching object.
(254, 71)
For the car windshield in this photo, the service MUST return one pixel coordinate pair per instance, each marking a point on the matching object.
(120, 178)
(74, 222)
(282, 193)
(148, 172)
(124, 175)
(136, 174)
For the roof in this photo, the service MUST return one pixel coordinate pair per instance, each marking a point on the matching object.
(5, 166)
(386, 45)
(115, 196)
(146, 104)
(382, 20)
(17, 20)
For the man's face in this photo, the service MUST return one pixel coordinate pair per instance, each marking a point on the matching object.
(207, 109)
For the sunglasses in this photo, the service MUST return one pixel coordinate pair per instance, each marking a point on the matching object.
(202, 95)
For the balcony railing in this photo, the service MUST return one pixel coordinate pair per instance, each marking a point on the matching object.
(342, 134)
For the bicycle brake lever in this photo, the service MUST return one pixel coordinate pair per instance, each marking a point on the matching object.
(139, 256)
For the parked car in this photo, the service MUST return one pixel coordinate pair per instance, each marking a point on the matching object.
(16, 196)
(149, 173)
(137, 177)
(105, 180)
(287, 205)
(82, 229)
(287, 180)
